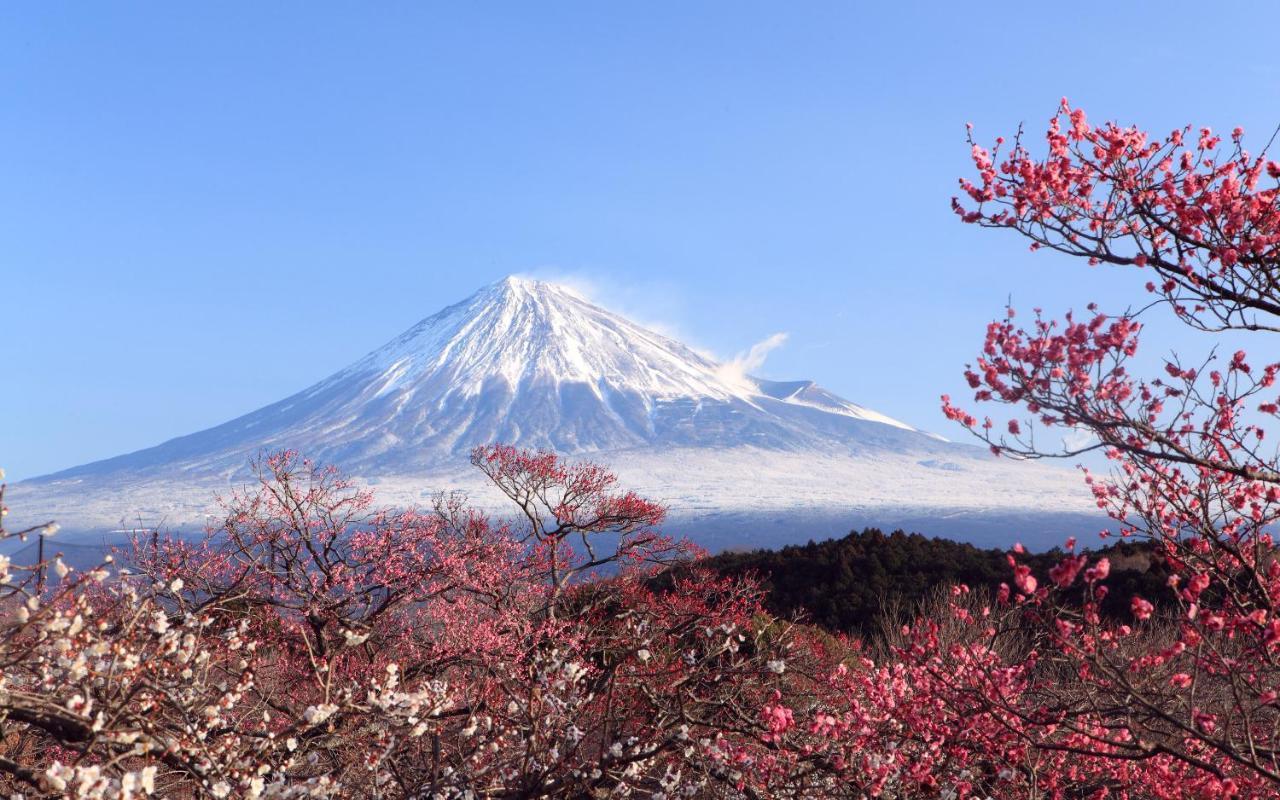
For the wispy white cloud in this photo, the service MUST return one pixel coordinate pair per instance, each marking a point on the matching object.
(736, 369)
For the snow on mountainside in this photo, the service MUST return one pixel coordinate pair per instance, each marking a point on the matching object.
(529, 363)
(537, 365)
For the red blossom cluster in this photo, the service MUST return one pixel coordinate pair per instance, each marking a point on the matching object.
(1181, 205)
(1195, 681)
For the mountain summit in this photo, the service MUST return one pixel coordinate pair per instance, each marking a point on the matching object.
(536, 364)
(529, 363)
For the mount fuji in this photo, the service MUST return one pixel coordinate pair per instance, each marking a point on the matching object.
(742, 461)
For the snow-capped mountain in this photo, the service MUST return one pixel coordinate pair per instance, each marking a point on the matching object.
(533, 364)
(536, 364)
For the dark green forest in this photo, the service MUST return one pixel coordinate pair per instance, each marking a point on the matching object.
(847, 584)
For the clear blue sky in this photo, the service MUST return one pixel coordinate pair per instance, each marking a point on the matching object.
(206, 207)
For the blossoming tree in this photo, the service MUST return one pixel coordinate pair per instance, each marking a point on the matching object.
(315, 645)
(1192, 682)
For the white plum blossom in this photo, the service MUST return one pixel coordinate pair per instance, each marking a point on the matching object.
(314, 715)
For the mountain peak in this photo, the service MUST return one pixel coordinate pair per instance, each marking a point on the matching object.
(521, 286)
(535, 364)
(513, 284)
(518, 281)
(523, 332)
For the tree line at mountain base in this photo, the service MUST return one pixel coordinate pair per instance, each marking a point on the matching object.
(862, 582)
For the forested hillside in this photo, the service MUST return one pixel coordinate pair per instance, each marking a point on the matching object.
(845, 584)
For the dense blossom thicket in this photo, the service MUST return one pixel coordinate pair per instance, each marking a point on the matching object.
(315, 645)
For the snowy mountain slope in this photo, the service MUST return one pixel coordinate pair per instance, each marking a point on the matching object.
(533, 364)
(537, 365)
